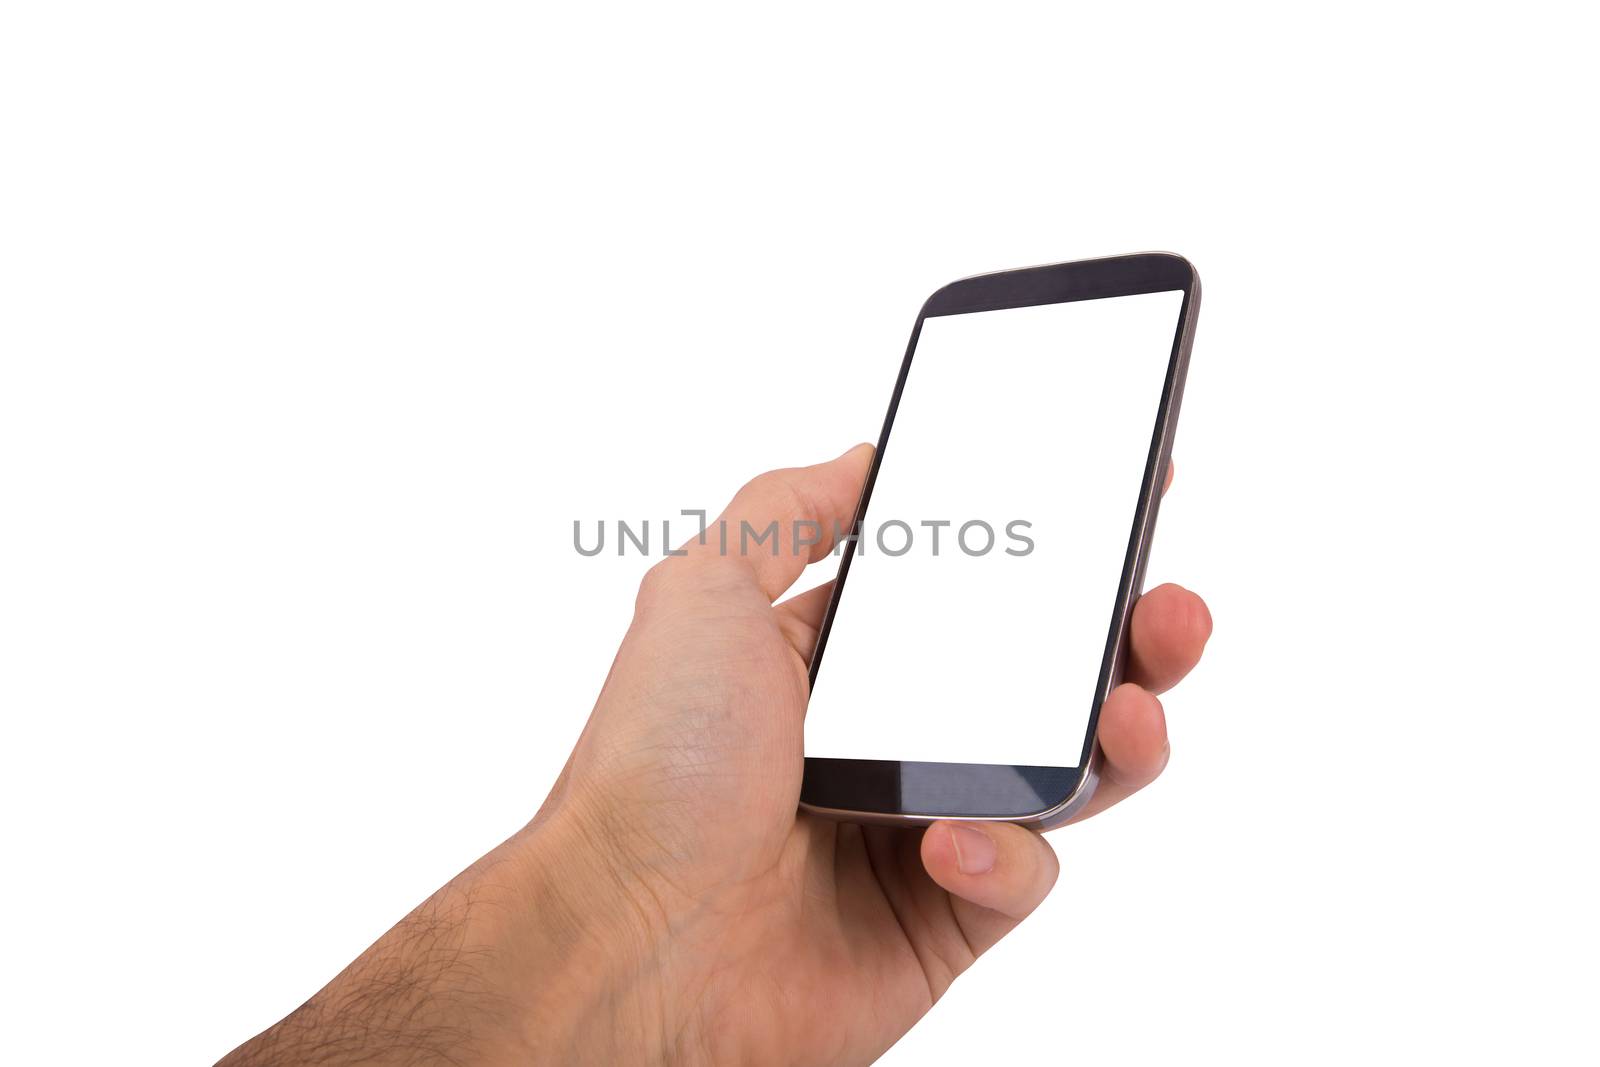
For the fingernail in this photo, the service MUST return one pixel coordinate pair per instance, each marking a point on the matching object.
(975, 850)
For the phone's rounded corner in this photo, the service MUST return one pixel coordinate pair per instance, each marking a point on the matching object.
(1189, 277)
(1177, 257)
(1065, 810)
(939, 297)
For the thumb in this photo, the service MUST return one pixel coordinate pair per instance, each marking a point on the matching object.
(995, 872)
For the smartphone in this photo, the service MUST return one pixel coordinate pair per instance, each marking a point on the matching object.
(1006, 517)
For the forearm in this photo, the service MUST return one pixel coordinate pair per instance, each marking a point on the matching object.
(506, 964)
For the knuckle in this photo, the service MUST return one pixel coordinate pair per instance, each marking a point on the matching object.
(781, 496)
(683, 577)
(655, 584)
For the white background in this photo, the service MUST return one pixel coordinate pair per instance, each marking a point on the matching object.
(319, 323)
(960, 655)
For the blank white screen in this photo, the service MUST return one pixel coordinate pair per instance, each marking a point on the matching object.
(1040, 414)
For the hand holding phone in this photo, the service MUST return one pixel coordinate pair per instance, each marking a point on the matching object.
(670, 899)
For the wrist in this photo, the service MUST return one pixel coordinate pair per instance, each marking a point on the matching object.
(590, 978)
(626, 988)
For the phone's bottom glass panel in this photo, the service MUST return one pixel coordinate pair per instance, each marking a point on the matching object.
(933, 789)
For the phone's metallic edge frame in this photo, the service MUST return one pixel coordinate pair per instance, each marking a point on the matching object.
(1150, 505)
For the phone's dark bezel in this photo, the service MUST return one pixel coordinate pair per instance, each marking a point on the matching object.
(908, 791)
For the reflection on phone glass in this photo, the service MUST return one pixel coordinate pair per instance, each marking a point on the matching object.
(973, 624)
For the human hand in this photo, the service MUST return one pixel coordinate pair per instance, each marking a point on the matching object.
(669, 902)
